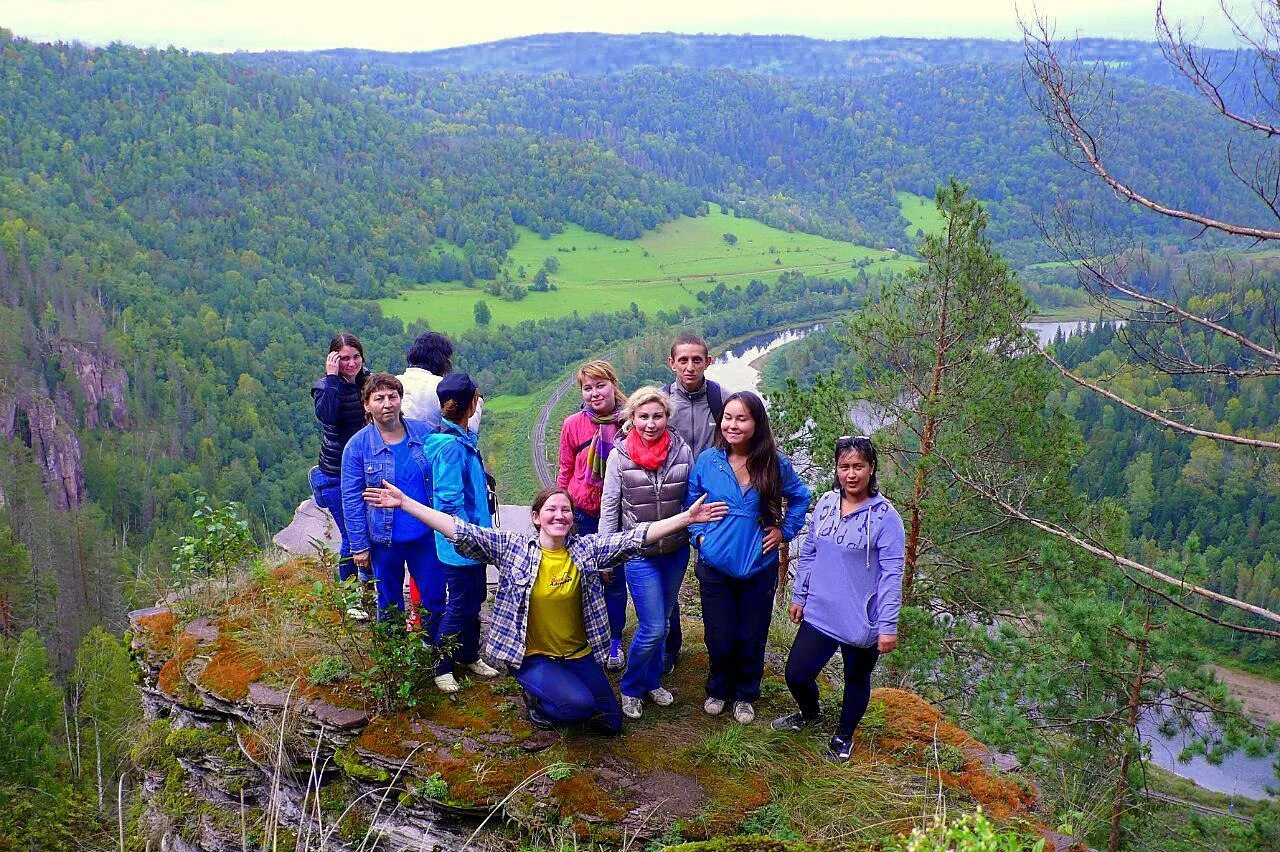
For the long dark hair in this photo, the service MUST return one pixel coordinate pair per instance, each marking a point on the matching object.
(861, 445)
(762, 456)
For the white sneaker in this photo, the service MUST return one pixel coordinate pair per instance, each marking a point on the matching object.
(661, 697)
(355, 613)
(447, 683)
(713, 706)
(743, 712)
(482, 669)
(616, 662)
(631, 707)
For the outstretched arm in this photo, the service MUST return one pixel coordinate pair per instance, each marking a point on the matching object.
(701, 512)
(390, 497)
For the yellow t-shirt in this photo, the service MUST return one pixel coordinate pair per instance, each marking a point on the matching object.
(556, 627)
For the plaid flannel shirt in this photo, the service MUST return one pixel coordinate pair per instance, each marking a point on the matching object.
(517, 557)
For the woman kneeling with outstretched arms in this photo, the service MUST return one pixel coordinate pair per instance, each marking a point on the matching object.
(549, 624)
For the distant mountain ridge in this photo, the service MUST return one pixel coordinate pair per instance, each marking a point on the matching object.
(781, 55)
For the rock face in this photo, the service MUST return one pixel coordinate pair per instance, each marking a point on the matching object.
(45, 424)
(242, 738)
(34, 420)
(103, 384)
(214, 766)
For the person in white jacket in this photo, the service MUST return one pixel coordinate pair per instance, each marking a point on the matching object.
(430, 359)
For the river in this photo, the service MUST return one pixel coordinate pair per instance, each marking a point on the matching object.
(735, 369)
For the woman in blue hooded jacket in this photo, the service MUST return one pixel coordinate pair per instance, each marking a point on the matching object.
(847, 592)
(737, 566)
(459, 488)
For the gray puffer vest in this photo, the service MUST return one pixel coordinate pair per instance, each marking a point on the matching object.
(653, 495)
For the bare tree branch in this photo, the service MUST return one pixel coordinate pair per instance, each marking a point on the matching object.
(1046, 66)
(1155, 416)
(1105, 553)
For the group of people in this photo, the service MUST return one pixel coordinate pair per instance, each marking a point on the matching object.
(642, 477)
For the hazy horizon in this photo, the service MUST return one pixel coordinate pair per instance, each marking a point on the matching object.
(396, 25)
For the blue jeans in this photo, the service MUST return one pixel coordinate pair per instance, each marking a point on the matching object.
(389, 561)
(654, 582)
(615, 591)
(569, 691)
(466, 585)
(326, 490)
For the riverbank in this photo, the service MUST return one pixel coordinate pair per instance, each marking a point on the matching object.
(1260, 696)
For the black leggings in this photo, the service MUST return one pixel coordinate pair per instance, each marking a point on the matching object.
(810, 652)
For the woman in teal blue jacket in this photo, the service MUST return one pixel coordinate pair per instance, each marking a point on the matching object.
(458, 488)
(737, 565)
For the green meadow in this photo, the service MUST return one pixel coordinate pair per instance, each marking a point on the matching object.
(921, 212)
(662, 270)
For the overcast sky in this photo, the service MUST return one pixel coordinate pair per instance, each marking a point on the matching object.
(222, 25)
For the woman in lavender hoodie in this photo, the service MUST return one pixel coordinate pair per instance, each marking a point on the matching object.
(847, 593)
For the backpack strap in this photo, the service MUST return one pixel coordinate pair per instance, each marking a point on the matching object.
(715, 400)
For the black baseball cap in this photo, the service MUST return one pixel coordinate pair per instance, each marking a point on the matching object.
(457, 387)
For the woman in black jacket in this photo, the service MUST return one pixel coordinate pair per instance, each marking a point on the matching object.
(338, 408)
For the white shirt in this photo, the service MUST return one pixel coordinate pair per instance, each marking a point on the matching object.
(421, 403)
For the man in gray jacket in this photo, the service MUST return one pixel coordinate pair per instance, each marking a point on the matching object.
(697, 404)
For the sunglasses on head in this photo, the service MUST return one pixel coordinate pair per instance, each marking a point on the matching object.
(849, 440)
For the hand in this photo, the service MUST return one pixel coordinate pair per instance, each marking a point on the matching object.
(886, 643)
(361, 559)
(702, 512)
(331, 364)
(386, 497)
(795, 612)
(607, 576)
(772, 539)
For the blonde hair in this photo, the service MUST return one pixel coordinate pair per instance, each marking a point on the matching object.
(601, 369)
(644, 396)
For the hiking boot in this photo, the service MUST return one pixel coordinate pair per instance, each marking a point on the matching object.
(661, 697)
(482, 669)
(839, 748)
(743, 712)
(713, 706)
(632, 707)
(793, 722)
(447, 683)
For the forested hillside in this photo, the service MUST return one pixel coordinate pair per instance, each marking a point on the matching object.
(181, 234)
(780, 55)
(827, 155)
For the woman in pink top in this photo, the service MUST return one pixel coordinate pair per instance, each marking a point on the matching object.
(586, 439)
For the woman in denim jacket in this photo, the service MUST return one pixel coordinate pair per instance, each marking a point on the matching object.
(390, 448)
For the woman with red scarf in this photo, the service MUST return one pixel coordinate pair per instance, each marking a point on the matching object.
(645, 480)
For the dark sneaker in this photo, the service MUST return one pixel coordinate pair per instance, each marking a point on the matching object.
(793, 722)
(838, 749)
(537, 719)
